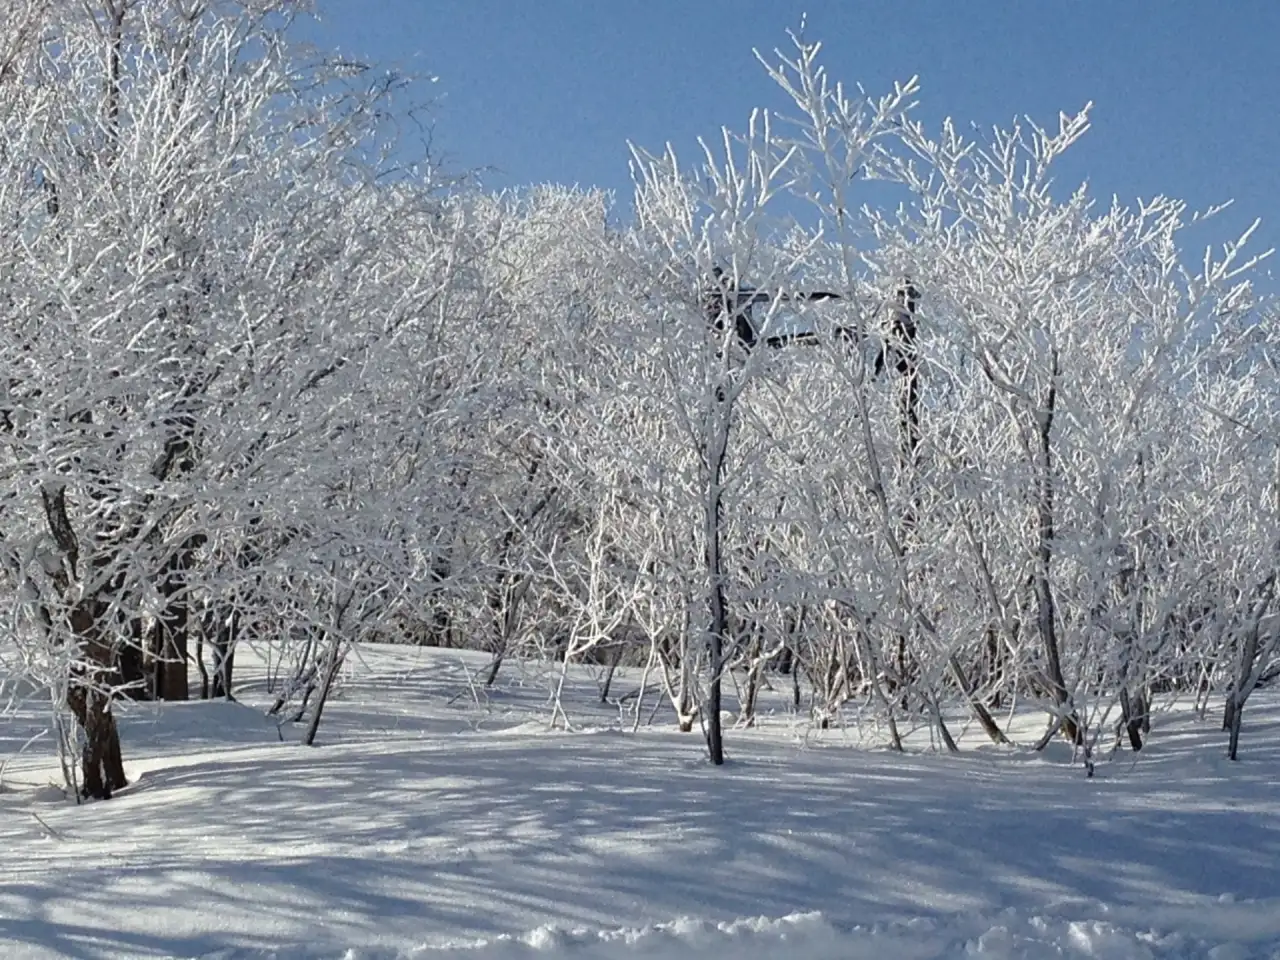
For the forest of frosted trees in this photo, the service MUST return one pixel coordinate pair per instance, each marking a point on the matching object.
(272, 381)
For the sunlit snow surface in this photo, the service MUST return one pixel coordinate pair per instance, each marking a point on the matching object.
(432, 823)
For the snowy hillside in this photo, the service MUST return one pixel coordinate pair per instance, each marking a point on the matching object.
(430, 823)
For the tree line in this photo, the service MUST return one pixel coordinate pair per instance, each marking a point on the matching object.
(266, 382)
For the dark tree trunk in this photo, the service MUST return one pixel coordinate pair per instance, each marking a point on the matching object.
(173, 626)
(505, 600)
(618, 650)
(1046, 612)
(718, 628)
(91, 681)
(200, 665)
(908, 366)
(102, 767)
(755, 676)
(89, 696)
(334, 663)
(993, 664)
(785, 660)
(985, 720)
(1234, 721)
(1132, 715)
(172, 681)
(794, 624)
(1248, 670)
(132, 664)
(509, 590)
(439, 627)
(224, 653)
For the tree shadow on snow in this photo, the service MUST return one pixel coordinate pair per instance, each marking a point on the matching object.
(473, 835)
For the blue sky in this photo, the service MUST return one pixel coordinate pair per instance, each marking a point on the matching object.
(1186, 92)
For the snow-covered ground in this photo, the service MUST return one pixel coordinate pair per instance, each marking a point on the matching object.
(433, 825)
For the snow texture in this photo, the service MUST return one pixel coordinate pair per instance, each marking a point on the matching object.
(433, 829)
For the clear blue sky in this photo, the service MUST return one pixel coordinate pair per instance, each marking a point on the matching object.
(1186, 92)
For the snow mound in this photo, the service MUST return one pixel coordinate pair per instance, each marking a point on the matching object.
(809, 936)
(805, 936)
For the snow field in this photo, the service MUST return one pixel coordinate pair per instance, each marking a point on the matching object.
(435, 826)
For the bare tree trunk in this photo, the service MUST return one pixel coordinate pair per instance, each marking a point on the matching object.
(102, 767)
(303, 677)
(332, 666)
(618, 651)
(172, 681)
(907, 352)
(676, 678)
(795, 689)
(718, 628)
(440, 628)
(200, 666)
(789, 662)
(1249, 667)
(511, 588)
(994, 666)
(224, 652)
(1131, 718)
(131, 663)
(755, 675)
(505, 602)
(1046, 613)
(90, 684)
(89, 696)
(985, 720)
